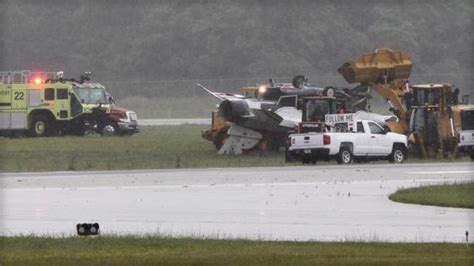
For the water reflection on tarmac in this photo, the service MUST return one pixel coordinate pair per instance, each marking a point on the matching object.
(324, 203)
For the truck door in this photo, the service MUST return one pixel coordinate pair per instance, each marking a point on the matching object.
(5, 98)
(62, 108)
(5, 106)
(361, 146)
(379, 142)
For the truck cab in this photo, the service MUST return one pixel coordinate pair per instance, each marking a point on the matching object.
(123, 121)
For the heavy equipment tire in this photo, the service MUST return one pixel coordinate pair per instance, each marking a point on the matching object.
(40, 126)
(398, 155)
(298, 81)
(344, 156)
(329, 91)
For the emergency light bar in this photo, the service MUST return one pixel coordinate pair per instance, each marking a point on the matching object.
(32, 77)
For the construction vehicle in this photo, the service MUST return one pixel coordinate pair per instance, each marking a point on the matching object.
(313, 112)
(425, 112)
(47, 104)
(431, 121)
(386, 72)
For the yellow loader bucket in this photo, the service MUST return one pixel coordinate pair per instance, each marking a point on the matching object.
(384, 65)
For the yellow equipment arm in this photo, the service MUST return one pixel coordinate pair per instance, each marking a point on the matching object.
(385, 72)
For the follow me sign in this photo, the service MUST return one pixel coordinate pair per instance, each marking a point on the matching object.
(339, 118)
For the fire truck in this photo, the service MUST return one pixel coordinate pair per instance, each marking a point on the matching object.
(47, 104)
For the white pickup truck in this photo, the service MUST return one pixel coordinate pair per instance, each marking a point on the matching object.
(363, 139)
(466, 130)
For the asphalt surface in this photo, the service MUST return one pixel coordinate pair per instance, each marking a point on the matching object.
(323, 203)
(174, 121)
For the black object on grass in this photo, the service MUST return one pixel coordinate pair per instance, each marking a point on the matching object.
(86, 229)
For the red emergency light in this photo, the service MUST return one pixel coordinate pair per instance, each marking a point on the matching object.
(38, 80)
(37, 77)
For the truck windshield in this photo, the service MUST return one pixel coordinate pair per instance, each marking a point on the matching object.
(423, 97)
(467, 120)
(317, 109)
(91, 95)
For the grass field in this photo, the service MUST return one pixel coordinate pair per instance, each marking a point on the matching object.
(448, 195)
(153, 148)
(164, 251)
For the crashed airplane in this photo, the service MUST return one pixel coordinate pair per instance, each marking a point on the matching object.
(263, 116)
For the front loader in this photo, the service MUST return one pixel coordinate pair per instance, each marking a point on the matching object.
(425, 112)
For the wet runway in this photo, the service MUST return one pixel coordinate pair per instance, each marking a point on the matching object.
(174, 121)
(324, 203)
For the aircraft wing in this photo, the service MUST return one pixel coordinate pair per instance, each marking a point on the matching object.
(221, 96)
(381, 119)
(278, 121)
(262, 120)
(290, 116)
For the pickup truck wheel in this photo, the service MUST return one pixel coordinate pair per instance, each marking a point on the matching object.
(397, 155)
(344, 156)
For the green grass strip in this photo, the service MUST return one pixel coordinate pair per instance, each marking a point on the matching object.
(182, 251)
(160, 147)
(459, 195)
(154, 148)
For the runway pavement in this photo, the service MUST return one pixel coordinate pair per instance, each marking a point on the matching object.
(174, 121)
(324, 203)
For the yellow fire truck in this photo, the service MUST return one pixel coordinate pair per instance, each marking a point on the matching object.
(47, 104)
